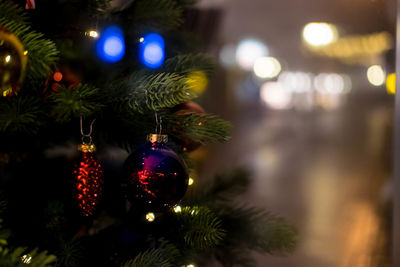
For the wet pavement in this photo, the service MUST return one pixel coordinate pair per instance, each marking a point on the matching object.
(325, 171)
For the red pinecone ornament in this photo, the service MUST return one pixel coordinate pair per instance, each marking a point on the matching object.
(89, 180)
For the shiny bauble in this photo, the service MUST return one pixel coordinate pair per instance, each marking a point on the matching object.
(156, 178)
(13, 61)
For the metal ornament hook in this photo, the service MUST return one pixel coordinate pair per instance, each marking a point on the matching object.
(158, 129)
(90, 127)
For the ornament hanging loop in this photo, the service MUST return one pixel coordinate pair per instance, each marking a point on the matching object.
(88, 135)
(158, 123)
(87, 141)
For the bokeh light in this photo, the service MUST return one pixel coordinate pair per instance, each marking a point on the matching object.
(27, 258)
(57, 76)
(93, 34)
(197, 81)
(227, 55)
(151, 50)
(267, 67)
(319, 33)
(248, 51)
(332, 83)
(391, 84)
(150, 217)
(275, 96)
(297, 82)
(376, 75)
(177, 209)
(111, 45)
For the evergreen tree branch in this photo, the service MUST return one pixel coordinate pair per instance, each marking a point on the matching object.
(69, 253)
(164, 256)
(160, 14)
(82, 100)
(255, 229)
(201, 228)
(42, 53)
(157, 91)
(20, 115)
(20, 257)
(223, 188)
(187, 63)
(10, 11)
(203, 128)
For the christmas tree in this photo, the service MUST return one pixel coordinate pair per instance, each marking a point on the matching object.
(106, 74)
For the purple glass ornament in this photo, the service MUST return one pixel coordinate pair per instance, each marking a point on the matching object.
(156, 177)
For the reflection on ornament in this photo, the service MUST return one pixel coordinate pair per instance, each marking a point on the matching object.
(156, 177)
(89, 180)
(150, 217)
(13, 62)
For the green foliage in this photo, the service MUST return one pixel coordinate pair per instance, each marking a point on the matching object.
(201, 228)
(204, 128)
(161, 14)
(153, 92)
(99, 6)
(20, 115)
(42, 53)
(223, 188)
(246, 228)
(256, 229)
(20, 256)
(164, 256)
(82, 100)
(9, 11)
(69, 253)
(187, 63)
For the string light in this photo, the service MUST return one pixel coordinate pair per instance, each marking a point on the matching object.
(391, 84)
(8, 58)
(93, 34)
(26, 259)
(197, 81)
(376, 75)
(266, 67)
(151, 50)
(247, 52)
(110, 46)
(150, 217)
(177, 209)
(57, 76)
(319, 33)
(191, 181)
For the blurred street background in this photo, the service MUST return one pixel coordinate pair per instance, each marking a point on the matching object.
(312, 108)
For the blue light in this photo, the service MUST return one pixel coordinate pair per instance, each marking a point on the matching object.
(110, 46)
(151, 50)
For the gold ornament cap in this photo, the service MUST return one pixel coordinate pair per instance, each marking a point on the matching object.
(87, 148)
(157, 138)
